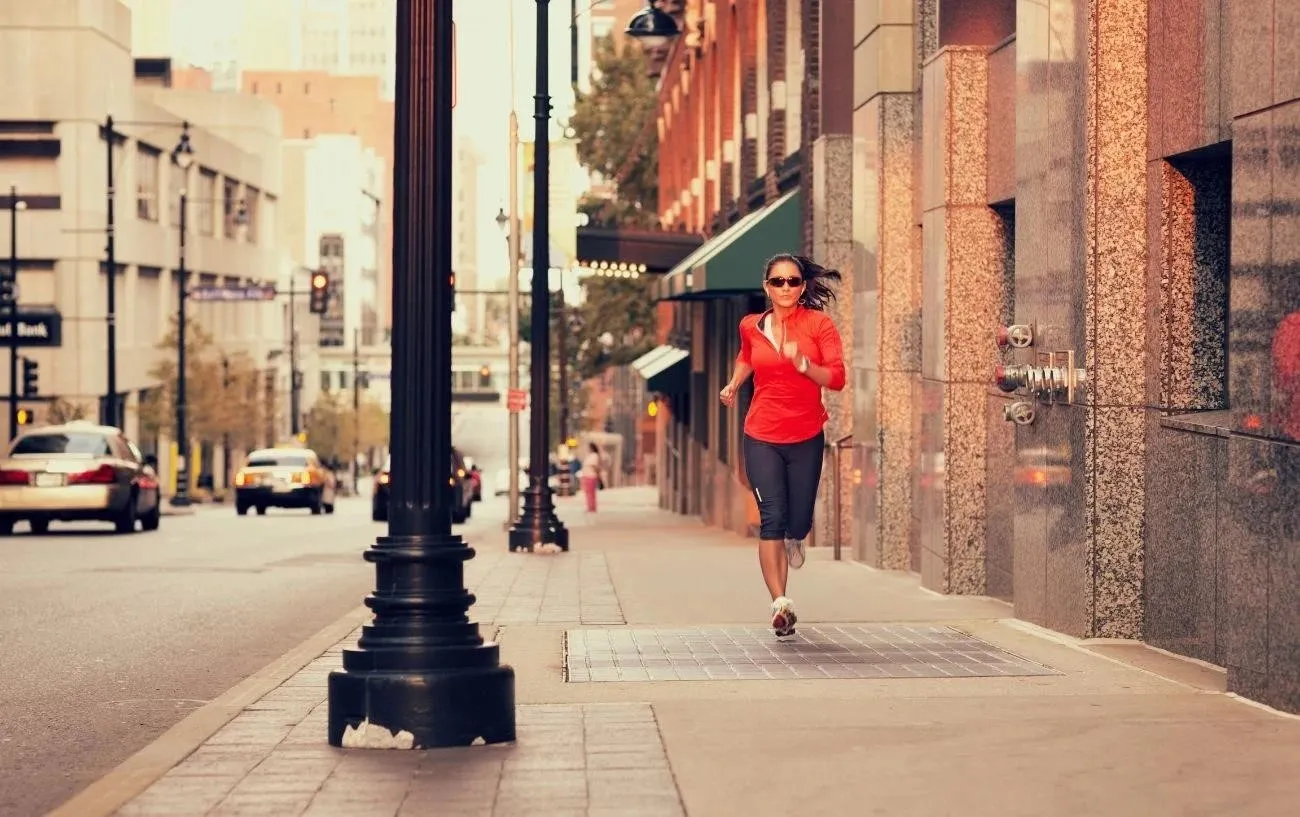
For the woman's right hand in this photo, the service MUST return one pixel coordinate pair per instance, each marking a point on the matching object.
(728, 395)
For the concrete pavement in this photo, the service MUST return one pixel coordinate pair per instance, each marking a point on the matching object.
(646, 687)
(111, 640)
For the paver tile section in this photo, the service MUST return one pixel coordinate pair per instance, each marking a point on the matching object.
(817, 651)
(580, 759)
(528, 588)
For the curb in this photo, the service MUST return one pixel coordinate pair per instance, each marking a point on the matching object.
(138, 772)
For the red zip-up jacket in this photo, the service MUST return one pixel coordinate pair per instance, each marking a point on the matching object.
(787, 406)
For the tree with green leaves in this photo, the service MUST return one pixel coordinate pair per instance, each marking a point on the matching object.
(615, 128)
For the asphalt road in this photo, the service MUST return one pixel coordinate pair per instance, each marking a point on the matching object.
(110, 640)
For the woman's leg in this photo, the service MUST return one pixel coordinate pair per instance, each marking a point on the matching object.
(589, 489)
(765, 468)
(804, 470)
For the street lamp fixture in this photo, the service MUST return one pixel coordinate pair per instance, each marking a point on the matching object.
(502, 220)
(183, 158)
(652, 27)
(537, 524)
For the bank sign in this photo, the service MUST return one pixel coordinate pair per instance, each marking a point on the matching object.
(33, 329)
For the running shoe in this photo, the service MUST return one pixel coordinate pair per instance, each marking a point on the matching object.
(794, 552)
(783, 617)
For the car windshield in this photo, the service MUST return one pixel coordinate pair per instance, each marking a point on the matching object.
(277, 461)
(95, 445)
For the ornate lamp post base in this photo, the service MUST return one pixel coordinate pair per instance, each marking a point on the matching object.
(538, 525)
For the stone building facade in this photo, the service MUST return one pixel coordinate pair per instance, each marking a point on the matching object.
(1115, 179)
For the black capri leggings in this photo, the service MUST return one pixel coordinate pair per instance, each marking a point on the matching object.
(784, 477)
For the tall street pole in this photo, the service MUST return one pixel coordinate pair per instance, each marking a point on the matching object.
(537, 523)
(513, 240)
(12, 299)
(294, 420)
(356, 406)
(110, 417)
(182, 496)
(421, 675)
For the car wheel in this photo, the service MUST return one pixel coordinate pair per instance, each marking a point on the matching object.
(40, 527)
(241, 509)
(329, 508)
(261, 510)
(378, 513)
(316, 505)
(151, 521)
(6, 527)
(125, 522)
(458, 516)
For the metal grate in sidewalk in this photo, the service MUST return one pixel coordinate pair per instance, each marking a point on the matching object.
(817, 651)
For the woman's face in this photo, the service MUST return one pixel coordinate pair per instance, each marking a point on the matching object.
(784, 284)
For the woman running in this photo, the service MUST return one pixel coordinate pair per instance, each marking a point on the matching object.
(794, 351)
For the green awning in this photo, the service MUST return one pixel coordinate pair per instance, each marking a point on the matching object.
(651, 356)
(667, 372)
(732, 261)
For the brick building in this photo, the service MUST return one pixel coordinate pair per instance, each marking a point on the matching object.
(1099, 177)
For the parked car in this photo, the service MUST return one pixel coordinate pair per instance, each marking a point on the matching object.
(284, 478)
(78, 471)
(461, 484)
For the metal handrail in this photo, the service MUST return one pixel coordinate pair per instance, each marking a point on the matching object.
(837, 515)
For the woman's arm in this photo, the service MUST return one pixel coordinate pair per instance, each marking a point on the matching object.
(830, 374)
(743, 368)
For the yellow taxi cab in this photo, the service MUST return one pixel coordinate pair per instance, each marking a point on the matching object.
(284, 478)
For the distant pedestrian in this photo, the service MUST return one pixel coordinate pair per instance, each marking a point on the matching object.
(590, 476)
(793, 350)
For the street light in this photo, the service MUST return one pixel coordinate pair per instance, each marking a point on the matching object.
(421, 675)
(509, 225)
(652, 27)
(537, 523)
(10, 300)
(183, 158)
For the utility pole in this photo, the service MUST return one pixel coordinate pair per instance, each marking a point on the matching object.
(110, 417)
(11, 297)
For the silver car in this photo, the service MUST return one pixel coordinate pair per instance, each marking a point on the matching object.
(75, 472)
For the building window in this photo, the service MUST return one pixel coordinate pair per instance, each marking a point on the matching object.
(279, 88)
(326, 381)
(252, 200)
(229, 206)
(147, 162)
(254, 87)
(207, 197)
(306, 87)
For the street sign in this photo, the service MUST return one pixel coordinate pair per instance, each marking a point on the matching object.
(517, 400)
(258, 292)
(33, 329)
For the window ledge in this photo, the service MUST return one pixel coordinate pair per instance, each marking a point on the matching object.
(1213, 423)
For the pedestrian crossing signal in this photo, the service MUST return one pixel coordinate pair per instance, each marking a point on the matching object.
(26, 417)
(320, 293)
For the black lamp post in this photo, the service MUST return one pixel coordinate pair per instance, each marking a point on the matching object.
(183, 159)
(421, 675)
(652, 27)
(537, 523)
(10, 300)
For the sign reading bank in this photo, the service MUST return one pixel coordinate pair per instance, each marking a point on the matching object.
(33, 329)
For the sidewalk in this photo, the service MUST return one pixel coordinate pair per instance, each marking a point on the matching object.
(647, 685)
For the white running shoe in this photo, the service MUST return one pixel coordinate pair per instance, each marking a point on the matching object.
(783, 617)
(794, 553)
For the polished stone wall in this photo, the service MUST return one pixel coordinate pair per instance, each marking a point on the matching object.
(887, 279)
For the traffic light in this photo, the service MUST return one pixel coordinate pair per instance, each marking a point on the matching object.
(31, 378)
(320, 292)
(26, 417)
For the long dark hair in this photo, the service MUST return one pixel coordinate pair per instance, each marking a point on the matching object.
(817, 293)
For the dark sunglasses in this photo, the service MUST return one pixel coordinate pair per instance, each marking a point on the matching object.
(783, 282)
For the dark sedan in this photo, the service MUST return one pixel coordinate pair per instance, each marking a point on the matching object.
(461, 483)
